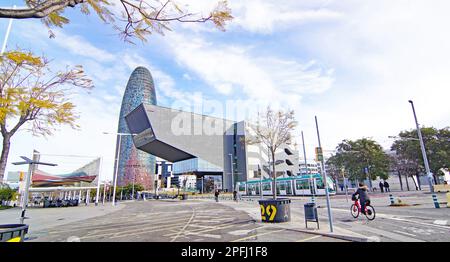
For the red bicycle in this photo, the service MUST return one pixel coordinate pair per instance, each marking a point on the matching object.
(355, 209)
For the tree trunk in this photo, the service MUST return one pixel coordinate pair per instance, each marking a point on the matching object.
(274, 174)
(418, 181)
(4, 156)
(400, 179)
(407, 183)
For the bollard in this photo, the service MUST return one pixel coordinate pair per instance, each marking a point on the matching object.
(392, 199)
(435, 201)
(448, 199)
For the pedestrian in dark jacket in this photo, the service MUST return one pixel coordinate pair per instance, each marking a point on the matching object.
(362, 193)
(381, 187)
(386, 186)
(216, 195)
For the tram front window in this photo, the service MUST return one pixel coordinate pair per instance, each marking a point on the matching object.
(319, 184)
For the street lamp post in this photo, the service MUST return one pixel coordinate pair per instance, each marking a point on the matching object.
(132, 189)
(232, 172)
(330, 217)
(422, 146)
(306, 169)
(117, 170)
(117, 164)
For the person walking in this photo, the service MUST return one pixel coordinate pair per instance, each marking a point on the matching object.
(216, 195)
(386, 186)
(381, 187)
(235, 196)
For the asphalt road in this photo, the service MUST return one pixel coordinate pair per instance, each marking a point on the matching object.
(415, 223)
(172, 221)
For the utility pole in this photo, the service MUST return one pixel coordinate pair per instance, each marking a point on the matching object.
(98, 182)
(8, 30)
(422, 146)
(345, 185)
(232, 172)
(311, 184)
(324, 177)
(260, 182)
(117, 170)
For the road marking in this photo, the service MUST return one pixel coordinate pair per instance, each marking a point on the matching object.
(391, 235)
(397, 218)
(257, 235)
(440, 222)
(207, 230)
(203, 235)
(240, 232)
(201, 226)
(404, 233)
(307, 239)
(185, 226)
(130, 232)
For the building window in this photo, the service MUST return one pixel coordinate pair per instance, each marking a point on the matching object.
(288, 152)
(289, 163)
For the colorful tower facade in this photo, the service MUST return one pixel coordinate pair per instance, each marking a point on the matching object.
(135, 166)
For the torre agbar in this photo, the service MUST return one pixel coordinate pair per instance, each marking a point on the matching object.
(135, 166)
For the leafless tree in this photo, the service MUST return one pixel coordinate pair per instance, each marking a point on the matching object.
(132, 18)
(273, 129)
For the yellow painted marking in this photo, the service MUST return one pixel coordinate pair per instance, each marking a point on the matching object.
(257, 235)
(16, 239)
(307, 239)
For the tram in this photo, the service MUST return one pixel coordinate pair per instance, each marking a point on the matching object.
(303, 185)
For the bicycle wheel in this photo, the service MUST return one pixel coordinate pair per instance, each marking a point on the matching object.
(370, 214)
(354, 210)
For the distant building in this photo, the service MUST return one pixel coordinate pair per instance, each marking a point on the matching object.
(13, 178)
(312, 167)
(164, 173)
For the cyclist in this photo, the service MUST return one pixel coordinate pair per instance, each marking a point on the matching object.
(363, 194)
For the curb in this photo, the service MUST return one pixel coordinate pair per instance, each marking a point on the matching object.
(331, 235)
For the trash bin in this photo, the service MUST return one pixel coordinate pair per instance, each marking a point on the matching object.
(275, 210)
(13, 232)
(311, 214)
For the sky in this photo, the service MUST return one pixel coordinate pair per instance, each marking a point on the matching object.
(352, 63)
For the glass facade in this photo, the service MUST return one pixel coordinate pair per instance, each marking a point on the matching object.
(194, 165)
(135, 165)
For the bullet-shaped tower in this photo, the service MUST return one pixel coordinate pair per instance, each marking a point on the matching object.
(135, 165)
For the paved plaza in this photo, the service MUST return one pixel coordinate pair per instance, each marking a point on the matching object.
(204, 220)
(156, 220)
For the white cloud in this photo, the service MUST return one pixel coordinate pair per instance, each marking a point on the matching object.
(231, 68)
(262, 16)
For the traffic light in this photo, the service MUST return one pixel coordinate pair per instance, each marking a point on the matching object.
(21, 175)
(319, 154)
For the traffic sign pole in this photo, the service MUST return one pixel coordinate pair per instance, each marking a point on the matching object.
(324, 175)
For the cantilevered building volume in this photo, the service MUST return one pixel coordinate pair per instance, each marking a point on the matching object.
(135, 166)
(205, 146)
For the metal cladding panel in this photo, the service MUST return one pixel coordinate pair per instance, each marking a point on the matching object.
(140, 120)
(165, 151)
(193, 134)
